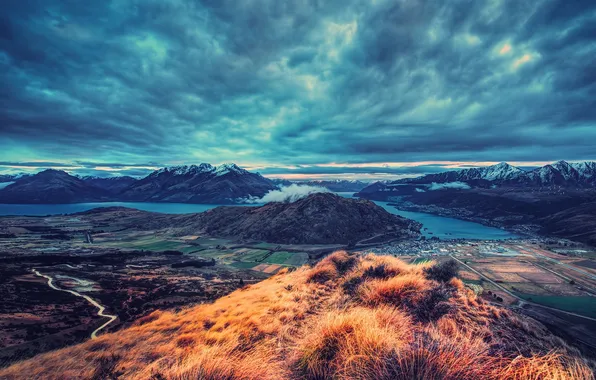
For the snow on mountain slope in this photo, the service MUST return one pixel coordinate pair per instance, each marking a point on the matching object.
(204, 183)
(185, 169)
(4, 184)
(586, 169)
(229, 168)
(502, 171)
(561, 174)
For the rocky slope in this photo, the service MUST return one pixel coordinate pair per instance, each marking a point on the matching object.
(575, 223)
(349, 317)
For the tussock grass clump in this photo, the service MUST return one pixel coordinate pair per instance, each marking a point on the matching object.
(352, 343)
(323, 273)
(442, 272)
(348, 317)
(402, 290)
(434, 304)
(378, 272)
(342, 261)
(331, 267)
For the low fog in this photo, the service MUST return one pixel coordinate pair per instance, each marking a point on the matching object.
(288, 194)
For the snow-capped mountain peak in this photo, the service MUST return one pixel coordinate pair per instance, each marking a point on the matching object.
(566, 170)
(185, 169)
(586, 169)
(228, 168)
(501, 171)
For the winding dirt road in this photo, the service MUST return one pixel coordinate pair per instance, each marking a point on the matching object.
(100, 307)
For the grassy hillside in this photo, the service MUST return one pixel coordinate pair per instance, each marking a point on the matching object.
(349, 317)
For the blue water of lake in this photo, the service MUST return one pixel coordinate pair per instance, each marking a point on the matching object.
(56, 209)
(447, 228)
(433, 225)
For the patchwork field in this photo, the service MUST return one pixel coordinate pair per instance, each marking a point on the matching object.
(536, 275)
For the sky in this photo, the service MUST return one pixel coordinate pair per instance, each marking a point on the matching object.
(296, 89)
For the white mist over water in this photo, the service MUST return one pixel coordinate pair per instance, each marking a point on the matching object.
(288, 194)
(449, 185)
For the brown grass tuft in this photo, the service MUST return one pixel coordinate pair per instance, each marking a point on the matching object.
(322, 273)
(154, 316)
(352, 343)
(401, 290)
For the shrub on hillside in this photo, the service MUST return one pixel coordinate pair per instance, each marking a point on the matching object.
(350, 285)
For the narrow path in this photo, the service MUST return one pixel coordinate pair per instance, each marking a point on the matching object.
(100, 307)
(522, 301)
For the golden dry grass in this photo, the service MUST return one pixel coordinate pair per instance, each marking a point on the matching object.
(349, 317)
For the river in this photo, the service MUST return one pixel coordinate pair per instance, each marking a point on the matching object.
(433, 225)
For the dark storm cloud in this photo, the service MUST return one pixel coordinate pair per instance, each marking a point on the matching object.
(35, 164)
(296, 82)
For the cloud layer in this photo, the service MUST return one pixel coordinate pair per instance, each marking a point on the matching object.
(290, 194)
(448, 185)
(273, 84)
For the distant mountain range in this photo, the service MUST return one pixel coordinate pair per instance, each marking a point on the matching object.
(13, 177)
(556, 199)
(111, 184)
(560, 173)
(52, 186)
(203, 183)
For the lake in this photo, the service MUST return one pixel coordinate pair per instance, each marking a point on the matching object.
(54, 209)
(450, 228)
(442, 227)
(447, 228)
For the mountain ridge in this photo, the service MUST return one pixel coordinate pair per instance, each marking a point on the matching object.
(201, 183)
(502, 174)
